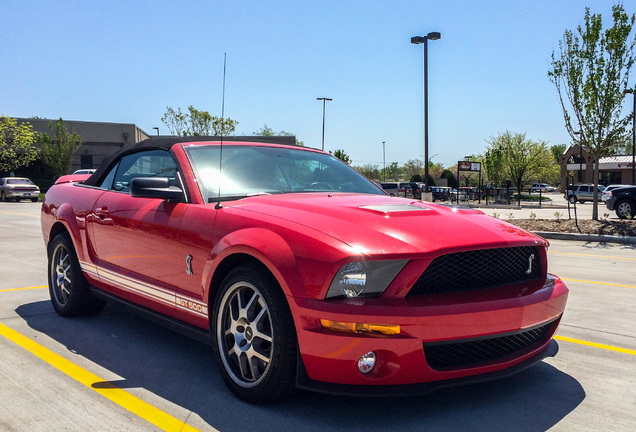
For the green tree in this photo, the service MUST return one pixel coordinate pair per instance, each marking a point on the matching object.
(370, 171)
(413, 167)
(416, 178)
(340, 154)
(523, 158)
(393, 171)
(197, 123)
(451, 179)
(267, 131)
(591, 73)
(17, 144)
(494, 165)
(557, 152)
(59, 148)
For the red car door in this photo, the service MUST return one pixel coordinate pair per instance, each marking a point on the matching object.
(136, 241)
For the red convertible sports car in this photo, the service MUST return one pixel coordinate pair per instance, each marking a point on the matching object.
(303, 272)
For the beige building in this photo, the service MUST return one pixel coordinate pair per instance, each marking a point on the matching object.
(98, 138)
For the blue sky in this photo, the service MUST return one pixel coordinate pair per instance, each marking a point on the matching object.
(125, 61)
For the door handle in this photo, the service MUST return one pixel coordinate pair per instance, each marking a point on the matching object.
(102, 212)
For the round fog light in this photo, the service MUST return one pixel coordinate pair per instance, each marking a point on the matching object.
(366, 362)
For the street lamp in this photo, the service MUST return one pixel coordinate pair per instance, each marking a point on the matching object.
(157, 130)
(324, 101)
(633, 93)
(383, 161)
(424, 40)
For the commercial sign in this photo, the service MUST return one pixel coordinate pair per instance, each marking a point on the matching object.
(469, 166)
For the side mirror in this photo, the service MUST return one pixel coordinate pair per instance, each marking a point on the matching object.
(155, 187)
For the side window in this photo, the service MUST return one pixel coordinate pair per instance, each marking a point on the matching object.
(107, 183)
(154, 163)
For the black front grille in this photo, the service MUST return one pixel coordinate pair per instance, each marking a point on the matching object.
(478, 269)
(472, 353)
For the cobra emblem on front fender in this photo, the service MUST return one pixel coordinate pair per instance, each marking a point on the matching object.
(189, 265)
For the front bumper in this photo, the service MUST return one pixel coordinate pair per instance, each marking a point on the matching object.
(330, 359)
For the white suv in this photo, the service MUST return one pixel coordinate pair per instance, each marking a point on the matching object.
(582, 193)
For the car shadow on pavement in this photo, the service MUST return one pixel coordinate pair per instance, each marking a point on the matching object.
(183, 372)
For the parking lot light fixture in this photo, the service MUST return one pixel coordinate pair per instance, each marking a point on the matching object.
(383, 161)
(324, 101)
(423, 40)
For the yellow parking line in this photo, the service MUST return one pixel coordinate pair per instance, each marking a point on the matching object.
(22, 289)
(599, 283)
(20, 214)
(596, 345)
(591, 256)
(122, 398)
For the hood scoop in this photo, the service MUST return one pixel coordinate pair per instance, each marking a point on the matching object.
(394, 208)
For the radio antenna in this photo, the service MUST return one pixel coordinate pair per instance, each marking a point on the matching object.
(218, 204)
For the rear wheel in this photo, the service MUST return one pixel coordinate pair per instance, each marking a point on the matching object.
(68, 288)
(625, 209)
(254, 336)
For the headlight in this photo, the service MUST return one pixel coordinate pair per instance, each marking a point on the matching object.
(364, 278)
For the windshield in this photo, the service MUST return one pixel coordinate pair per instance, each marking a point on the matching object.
(19, 181)
(259, 170)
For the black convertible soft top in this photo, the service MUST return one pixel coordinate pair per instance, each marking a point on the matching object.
(165, 143)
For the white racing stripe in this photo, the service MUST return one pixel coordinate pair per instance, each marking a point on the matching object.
(149, 291)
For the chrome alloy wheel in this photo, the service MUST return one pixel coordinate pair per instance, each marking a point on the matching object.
(623, 210)
(61, 274)
(244, 334)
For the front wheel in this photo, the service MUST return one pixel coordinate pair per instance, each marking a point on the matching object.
(254, 336)
(69, 290)
(625, 209)
(572, 199)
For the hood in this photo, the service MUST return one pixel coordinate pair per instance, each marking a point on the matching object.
(383, 225)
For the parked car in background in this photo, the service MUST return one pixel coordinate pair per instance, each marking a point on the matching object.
(392, 188)
(623, 201)
(440, 193)
(18, 188)
(542, 187)
(84, 171)
(414, 189)
(608, 189)
(300, 270)
(582, 193)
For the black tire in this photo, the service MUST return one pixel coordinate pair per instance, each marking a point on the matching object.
(34, 200)
(625, 208)
(572, 199)
(3, 198)
(68, 288)
(254, 336)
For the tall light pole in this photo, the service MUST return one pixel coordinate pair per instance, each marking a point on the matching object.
(324, 101)
(383, 161)
(633, 92)
(424, 40)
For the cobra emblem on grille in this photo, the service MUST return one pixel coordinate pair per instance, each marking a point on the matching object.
(530, 259)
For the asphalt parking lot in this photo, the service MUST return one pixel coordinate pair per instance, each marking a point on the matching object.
(117, 371)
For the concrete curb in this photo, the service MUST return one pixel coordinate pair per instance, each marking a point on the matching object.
(599, 238)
